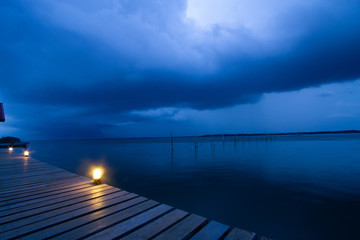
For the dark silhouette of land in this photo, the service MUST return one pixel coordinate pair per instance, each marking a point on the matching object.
(276, 134)
(6, 142)
(9, 140)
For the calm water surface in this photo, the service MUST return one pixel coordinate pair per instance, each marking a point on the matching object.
(291, 187)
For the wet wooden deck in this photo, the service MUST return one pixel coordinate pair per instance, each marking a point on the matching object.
(40, 201)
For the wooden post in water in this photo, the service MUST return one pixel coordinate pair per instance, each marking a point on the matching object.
(212, 141)
(172, 142)
(195, 143)
(2, 114)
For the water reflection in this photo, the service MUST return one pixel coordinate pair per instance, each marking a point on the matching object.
(308, 185)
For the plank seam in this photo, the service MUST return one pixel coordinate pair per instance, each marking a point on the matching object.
(196, 230)
(222, 237)
(125, 219)
(69, 219)
(42, 201)
(31, 176)
(51, 193)
(37, 182)
(32, 193)
(62, 207)
(144, 224)
(170, 226)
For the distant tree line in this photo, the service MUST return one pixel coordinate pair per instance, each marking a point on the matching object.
(9, 140)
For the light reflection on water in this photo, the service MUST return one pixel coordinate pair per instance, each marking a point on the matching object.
(290, 187)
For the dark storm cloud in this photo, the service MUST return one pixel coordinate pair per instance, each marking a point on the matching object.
(112, 57)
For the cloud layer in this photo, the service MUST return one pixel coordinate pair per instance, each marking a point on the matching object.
(107, 59)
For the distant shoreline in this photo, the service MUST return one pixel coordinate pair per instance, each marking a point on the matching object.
(277, 134)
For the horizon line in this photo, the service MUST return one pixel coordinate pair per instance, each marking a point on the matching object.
(208, 135)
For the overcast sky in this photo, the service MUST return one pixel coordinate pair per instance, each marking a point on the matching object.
(131, 68)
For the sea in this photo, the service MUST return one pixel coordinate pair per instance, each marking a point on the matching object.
(281, 187)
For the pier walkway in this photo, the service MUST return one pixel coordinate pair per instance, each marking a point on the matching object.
(41, 201)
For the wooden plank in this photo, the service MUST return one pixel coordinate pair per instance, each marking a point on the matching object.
(41, 195)
(239, 234)
(48, 184)
(22, 206)
(12, 168)
(22, 165)
(32, 166)
(212, 231)
(122, 228)
(42, 201)
(137, 203)
(156, 227)
(38, 181)
(32, 227)
(265, 238)
(18, 159)
(14, 161)
(45, 213)
(98, 225)
(24, 177)
(13, 164)
(184, 229)
(18, 162)
(25, 192)
(6, 205)
(35, 177)
(50, 200)
(24, 171)
(27, 163)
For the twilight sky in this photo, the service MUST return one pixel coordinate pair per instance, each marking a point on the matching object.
(132, 68)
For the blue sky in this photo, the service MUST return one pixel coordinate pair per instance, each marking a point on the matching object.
(121, 68)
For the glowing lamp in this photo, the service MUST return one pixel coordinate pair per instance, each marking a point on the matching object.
(97, 176)
(10, 149)
(26, 153)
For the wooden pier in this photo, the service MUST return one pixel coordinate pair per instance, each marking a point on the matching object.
(15, 145)
(41, 201)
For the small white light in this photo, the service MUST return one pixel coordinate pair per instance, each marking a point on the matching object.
(26, 153)
(10, 149)
(97, 175)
